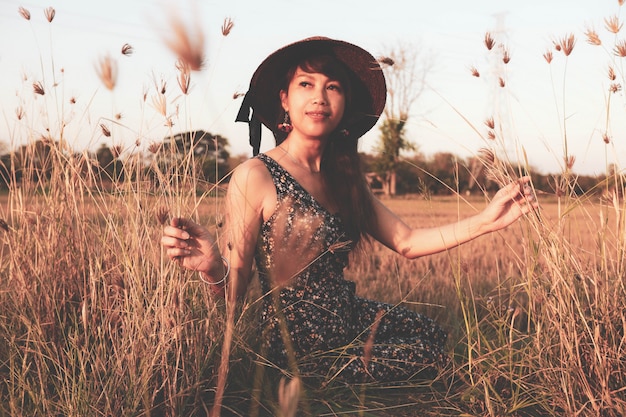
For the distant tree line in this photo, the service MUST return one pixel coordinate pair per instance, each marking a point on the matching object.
(206, 156)
(197, 153)
(444, 173)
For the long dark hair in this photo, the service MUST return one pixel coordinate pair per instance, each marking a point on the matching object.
(341, 163)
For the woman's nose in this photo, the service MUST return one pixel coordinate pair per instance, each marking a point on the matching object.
(320, 97)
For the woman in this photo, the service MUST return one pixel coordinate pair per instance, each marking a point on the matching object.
(297, 210)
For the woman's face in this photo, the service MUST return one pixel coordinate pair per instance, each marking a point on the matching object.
(315, 103)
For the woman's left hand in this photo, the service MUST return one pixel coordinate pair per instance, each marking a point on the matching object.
(509, 204)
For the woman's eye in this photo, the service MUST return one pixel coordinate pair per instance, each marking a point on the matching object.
(304, 83)
(335, 87)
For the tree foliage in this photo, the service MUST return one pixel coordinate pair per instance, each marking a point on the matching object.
(445, 173)
(199, 151)
(406, 68)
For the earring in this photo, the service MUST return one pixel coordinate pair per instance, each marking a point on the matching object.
(345, 133)
(286, 126)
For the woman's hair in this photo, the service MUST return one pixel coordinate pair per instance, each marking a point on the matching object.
(341, 164)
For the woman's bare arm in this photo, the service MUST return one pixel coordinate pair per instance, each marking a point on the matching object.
(509, 204)
(194, 247)
(246, 202)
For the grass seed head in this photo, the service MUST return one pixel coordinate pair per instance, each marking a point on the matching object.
(489, 41)
(288, 396)
(24, 13)
(159, 102)
(592, 37)
(613, 24)
(385, 60)
(46, 139)
(127, 49)
(341, 246)
(38, 88)
(369, 343)
(154, 147)
(49, 12)
(620, 48)
(186, 44)
(548, 56)
(105, 130)
(106, 69)
(116, 151)
(3, 225)
(506, 57)
(19, 112)
(615, 87)
(490, 123)
(611, 73)
(487, 156)
(84, 315)
(117, 283)
(227, 26)
(162, 215)
(566, 44)
(184, 76)
(474, 72)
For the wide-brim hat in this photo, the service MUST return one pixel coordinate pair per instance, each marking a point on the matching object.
(368, 88)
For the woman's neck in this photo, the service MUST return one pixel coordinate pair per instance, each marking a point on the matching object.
(307, 155)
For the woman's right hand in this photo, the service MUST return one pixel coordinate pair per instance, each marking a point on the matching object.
(191, 245)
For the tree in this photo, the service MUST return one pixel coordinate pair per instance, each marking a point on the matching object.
(206, 154)
(5, 166)
(406, 69)
(111, 167)
(34, 161)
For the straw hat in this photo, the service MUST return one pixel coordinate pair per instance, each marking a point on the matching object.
(368, 87)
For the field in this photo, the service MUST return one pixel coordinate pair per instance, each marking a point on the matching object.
(483, 267)
(96, 321)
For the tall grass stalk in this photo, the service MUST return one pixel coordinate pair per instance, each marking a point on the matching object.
(551, 341)
(95, 320)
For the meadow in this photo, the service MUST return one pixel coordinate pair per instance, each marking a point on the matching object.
(96, 321)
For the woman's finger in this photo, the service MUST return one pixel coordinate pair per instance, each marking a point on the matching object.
(177, 253)
(176, 232)
(172, 242)
(184, 223)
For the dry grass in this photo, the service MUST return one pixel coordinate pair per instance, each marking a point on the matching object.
(94, 320)
(97, 310)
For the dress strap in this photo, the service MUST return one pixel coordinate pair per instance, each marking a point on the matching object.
(280, 176)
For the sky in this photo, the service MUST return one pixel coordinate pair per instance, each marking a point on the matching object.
(545, 110)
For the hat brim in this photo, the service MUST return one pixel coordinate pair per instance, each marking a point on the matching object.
(368, 86)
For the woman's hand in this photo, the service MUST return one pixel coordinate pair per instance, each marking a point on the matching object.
(510, 203)
(192, 246)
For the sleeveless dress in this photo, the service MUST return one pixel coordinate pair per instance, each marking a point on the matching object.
(316, 322)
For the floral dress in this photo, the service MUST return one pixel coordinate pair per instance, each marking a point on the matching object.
(316, 322)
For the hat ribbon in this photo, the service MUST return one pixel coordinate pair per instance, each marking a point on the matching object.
(254, 124)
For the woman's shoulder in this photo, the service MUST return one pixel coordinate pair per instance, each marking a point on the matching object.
(252, 172)
(251, 163)
(251, 181)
